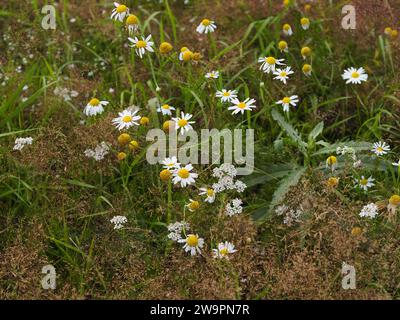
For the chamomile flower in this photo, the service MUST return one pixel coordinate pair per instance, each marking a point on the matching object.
(380, 148)
(170, 163)
(287, 29)
(185, 54)
(212, 75)
(331, 162)
(286, 102)
(224, 250)
(307, 69)
(132, 23)
(182, 123)
(305, 23)
(206, 26)
(165, 109)
(365, 183)
(226, 95)
(193, 205)
(141, 46)
(209, 193)
(119, 12)
(126, 119)
(184, 176)
(95, 106)
(241, 106)
(193, 244)
(305, 52)
(283, 74)
(283, 46)
(268, 64)
(354, 76)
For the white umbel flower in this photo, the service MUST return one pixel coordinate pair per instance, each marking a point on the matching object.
(99, 152)
(184, 176)
(118, 222)
(119, 12)
(286, 102)
(354, 76)
(182, 123)
(126, 119)
(241, 106)
(380, 148)
(226, 95)
(224, 250)
(369, 211)
(192, 244)
(268, 64)
(283, 74)
(94, 107)
(234, 207)
(206, 26)
(141, 46)
(20, 143)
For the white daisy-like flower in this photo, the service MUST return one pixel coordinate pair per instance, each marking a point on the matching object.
(283, 74)
(119, 12)
(268, 64)
(241, 106)
(20, 143)
(209, 193)
(369, 211)
(170, 163)
(224, 250)
(132, 23)
(396, 164)
(380, 148)
(206, 26)
(141, 46)
(226, 95)
(94, 107)
(185, 54)
(305, 23)
(126, 119)
(165, 109)
(365, 183)
(193, 205)
(287, 29)
(118, 222)
(193, 244)
(184, 176)
(182, 123)
(212, 75)
(354, 76)
(286, 102)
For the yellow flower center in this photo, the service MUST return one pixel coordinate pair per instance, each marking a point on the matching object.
(206, 22)
(223, 251)
(306, 68)
(241, 105)
(331, 160)
(364, 182)
(304, 22)
(141, 44)
(379, 149)
(94, 102)
(165, 174)
(355, 75)
(226, 94)
(333, 182)
(283, 74)
(182, 122)
(192, 240)
(121, 8)
(210, 192)
(194, 205)
(127, 119)
(394, 200)
(183, 173)
(286, 27)
(286, 100)
(270, 60)
(132, 20)
(187, 55)
(165, 107)
(282, 45)
(305, 51)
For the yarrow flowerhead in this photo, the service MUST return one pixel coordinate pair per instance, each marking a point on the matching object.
(20, 143)
(118, 222)
(369, 211)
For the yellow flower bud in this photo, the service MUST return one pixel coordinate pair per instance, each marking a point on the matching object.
(144, 121)
(165, 48)
(124, 138)
(121, 156)
(165, 175)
